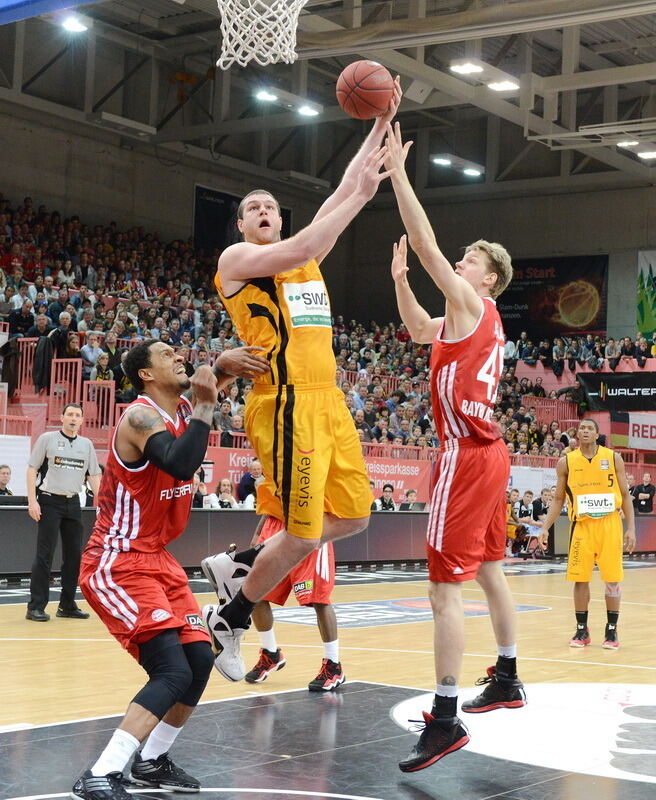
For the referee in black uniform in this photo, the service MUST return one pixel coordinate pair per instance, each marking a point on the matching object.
(59, 464)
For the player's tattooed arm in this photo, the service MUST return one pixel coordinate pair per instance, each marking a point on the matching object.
(143, 419)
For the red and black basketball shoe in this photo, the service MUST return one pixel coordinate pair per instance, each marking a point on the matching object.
(331, 675)
(439, 737)
(499, 692)
(267, 663)
(581, 638)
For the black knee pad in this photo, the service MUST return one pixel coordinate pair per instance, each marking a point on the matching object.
(169, 671)
(201, 660)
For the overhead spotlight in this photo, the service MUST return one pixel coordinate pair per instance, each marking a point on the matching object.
(463, 66)
(266, 95)
(647, 155)
(481, 72)
(628, 143)
(464, 165)
(307, 111)
(503, 86)
(73, 24)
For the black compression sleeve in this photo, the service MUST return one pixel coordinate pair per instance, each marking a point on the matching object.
(181, 457)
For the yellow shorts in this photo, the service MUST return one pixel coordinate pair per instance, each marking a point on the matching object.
(596, 541)
(311, 453)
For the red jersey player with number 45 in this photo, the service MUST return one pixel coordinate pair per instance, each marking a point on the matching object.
(466, 527)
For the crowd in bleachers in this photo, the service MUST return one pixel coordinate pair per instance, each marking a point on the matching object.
(95, 290)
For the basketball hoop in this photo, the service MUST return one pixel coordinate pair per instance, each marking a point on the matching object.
(258, 30)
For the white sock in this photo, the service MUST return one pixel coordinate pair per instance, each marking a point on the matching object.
(120, 749)
(331, 650)
(268, 640)
(507, 652)
(160, 740)
(445, 690)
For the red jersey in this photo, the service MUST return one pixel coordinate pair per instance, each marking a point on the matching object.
(464, 377)
(141, 508)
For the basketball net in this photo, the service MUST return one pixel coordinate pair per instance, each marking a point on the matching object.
(258, 30)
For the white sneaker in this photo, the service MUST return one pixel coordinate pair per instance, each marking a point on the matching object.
(225, 576)
(225, 641)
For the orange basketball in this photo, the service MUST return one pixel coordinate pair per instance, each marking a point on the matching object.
(364, 89)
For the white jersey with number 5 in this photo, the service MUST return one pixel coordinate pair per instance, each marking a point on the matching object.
(465, 375)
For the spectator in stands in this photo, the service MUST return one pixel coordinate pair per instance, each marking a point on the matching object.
(201, 495)
(111, 348)
(21, 320)
(642, 353)
(628, 348)
(20, 297)
(644, 493)
(545, 354)
(559, 353)
(361, 425)
(529, 353)
(101, 371)
(234, 398)
(509, 352)
(89, 353)
(224, 496)
(41, 327)
(612, 353)
(222, 420)
(59, 335)
(5, 478)
(249, 481)
(386, 501)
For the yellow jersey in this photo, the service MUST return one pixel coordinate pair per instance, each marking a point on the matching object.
(592, 487)
(288, 315)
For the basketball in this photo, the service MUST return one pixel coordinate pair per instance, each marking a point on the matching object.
(364, 89)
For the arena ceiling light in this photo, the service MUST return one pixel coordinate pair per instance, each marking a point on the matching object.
(480, 71)
(647, 155)
(628, 143)
(469, 168)
(293, 102)
(75, 23)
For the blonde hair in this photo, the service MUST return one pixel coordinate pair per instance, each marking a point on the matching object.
(499, 261)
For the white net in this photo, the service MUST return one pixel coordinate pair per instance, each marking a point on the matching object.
(258, 30)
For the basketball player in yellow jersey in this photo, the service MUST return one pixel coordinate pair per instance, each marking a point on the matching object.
(592, 478)
(295, 417)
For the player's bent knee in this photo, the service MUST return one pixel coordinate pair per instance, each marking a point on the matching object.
(613, 590)
(201, 660)
(169, 671)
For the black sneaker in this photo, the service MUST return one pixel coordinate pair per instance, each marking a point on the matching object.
(103, 787)
(267, 663)
(162, 773)
(331, 675)
(439, 737)
(611, 642)
(498, 693)
(581, 638)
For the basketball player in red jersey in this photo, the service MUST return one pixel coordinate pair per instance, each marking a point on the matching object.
(466, 526)
(130, 580)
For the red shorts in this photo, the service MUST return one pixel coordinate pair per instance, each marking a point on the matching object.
(467, 521)
(312, 580)
(138, 595)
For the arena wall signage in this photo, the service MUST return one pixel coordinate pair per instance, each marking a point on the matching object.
(626, 391)
(548, 297)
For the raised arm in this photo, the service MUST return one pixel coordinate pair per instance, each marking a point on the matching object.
(143, 433)
(421, 326)
(243, 261)
(374, 139)
(420, 233)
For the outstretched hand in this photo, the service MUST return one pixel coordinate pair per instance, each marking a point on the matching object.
(393, 107)
(243, 362)
(370, 176)
(400, 259)
(397, 151)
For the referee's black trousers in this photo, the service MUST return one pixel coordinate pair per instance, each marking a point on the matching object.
(58, 515)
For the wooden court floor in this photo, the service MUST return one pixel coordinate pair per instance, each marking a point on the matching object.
(70, 669)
